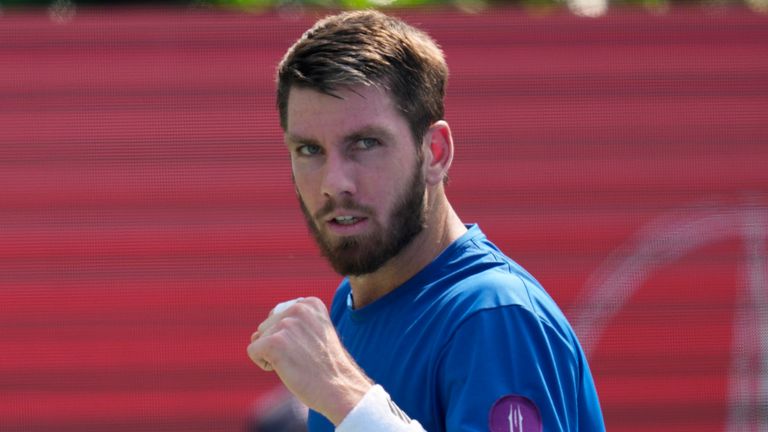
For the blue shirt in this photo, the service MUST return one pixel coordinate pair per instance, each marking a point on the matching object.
(469, 332)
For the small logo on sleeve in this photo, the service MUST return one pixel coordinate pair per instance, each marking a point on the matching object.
(514, 413)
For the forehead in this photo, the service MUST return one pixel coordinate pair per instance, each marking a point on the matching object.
(314, 114)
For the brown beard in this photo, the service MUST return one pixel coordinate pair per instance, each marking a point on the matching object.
(364, 254)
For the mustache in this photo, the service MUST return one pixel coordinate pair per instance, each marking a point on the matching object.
(333, 205)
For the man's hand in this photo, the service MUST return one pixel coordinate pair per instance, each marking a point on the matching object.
(301, 345)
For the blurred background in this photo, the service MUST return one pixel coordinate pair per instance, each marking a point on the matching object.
(148, 223)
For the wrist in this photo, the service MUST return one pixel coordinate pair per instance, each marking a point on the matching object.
(352, 392)
(376, 412)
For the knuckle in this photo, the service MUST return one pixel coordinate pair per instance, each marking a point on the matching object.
(262, 327)
(311, 306)
(254, 351)
(277, 341)
(315, 302)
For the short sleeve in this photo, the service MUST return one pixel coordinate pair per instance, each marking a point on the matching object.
(505, 354)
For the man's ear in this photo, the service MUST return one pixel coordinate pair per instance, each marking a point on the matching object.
(438, 152)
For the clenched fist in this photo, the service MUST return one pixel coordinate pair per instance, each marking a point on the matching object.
(299, 343)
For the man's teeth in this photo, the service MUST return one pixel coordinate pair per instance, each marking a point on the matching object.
(346, 220)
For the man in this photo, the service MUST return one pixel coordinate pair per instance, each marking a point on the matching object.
(432, 328)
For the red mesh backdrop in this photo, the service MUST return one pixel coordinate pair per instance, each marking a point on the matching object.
(148, 222)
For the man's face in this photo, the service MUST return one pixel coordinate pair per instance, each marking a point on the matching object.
(357, 174)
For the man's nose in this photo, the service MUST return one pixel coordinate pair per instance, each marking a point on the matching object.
(339, 177)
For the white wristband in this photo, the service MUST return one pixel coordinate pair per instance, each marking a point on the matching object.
(377, 413)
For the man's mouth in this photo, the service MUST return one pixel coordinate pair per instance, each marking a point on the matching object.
(346, 220)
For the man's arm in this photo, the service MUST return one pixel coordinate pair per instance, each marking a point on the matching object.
(509, 365)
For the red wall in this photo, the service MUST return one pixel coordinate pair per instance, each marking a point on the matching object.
(148, 223)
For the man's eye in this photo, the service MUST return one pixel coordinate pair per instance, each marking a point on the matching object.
(367, 143)
(308, 150)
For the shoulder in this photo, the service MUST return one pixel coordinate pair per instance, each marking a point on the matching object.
(484, 278)
(485, 288)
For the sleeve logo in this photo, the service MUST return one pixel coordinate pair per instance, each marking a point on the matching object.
(514, 413)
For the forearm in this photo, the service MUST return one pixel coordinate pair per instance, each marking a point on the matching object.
(348, 388)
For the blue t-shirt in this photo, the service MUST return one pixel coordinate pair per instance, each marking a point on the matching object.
(469, 341)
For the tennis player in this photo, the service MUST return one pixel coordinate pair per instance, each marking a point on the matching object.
(432, 327)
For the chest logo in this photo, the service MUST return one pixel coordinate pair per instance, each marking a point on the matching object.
(514, 413)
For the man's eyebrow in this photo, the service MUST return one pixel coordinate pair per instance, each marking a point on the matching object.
(371, 131)
(296, 139)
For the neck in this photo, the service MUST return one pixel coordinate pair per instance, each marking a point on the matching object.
(443, 227)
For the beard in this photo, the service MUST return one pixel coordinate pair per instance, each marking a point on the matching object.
(363, 254)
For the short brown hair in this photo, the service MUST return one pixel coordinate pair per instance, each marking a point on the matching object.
(369, 48)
